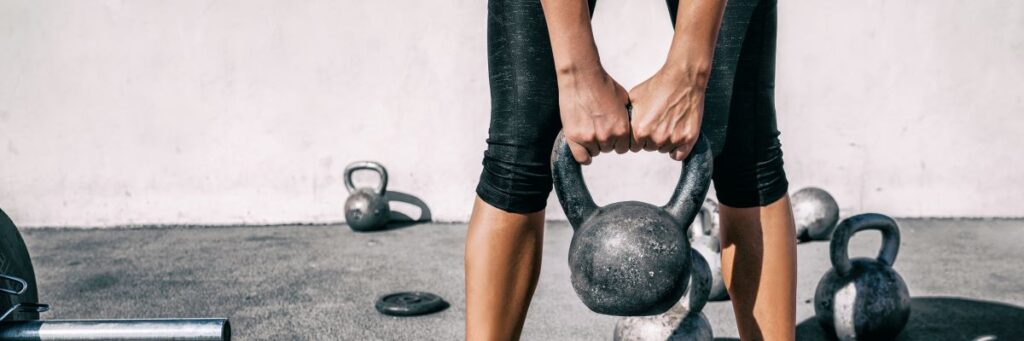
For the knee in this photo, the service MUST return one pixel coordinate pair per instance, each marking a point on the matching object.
(749, 181)
(512, 183)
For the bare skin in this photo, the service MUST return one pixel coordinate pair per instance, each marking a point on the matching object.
(759, 268)
(503, 250)
(592, 105)
(669, 106)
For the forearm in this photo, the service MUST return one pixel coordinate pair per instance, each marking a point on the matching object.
(572, 39)
(693, 46)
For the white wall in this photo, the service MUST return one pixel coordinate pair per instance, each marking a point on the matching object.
(223, 112)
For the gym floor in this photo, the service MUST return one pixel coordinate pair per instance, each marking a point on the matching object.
(320, 282)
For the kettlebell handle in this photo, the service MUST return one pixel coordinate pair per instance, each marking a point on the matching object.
(374, 166)
(684, 205)
(839, 247)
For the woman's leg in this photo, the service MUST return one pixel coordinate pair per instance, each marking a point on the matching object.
(759, 268)
(506, 230)
(757, 232)
(503, 253)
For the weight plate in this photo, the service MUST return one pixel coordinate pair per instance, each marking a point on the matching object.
(410, 303)
(15, 261)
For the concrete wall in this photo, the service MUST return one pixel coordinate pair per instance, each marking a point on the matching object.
(225, 112)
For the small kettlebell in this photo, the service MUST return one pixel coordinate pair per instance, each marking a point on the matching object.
(705, 239)
(863, 299)
(815, 213)
(630, 258)
(366, 208)
(684, 321)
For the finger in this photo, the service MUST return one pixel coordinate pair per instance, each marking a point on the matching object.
(666, 147)
(579, 153)
(622, 144)
(634, 141)
(606, 145)
(622, 135)
(592, 147)
(681, 152)
(670, 143)
(648, 144)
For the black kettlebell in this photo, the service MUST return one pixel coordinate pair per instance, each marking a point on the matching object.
(684, 321)
(630, 258)
(704, 238)
(863, 299)
(366, 208)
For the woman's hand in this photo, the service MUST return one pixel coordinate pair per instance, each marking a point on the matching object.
(668, 107)
(667, 110)
(593, 110)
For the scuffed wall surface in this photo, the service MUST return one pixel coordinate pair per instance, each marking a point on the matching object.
(246, 112)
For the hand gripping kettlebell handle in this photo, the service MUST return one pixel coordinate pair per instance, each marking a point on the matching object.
(839, 248)
(358, 165)
(578, 203)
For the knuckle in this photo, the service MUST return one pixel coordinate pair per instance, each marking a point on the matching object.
(620, 131)
(659, 139)
(642, 132)
(580, 135)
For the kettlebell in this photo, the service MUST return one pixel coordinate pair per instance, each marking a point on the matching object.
(684, 321)
(705, 229)
(815, 213)
(705, 239)
(863, 299)
(366, 208)
(630, 258)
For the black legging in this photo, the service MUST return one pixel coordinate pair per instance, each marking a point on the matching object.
(739, 108)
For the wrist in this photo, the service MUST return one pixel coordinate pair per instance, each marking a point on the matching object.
(578, 66)
(694, 71)
(573, 73)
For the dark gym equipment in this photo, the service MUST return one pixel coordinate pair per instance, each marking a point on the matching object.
(410, 303)
(815, 213)
(706, 228)
(117, 330)
(683, 321)
(15, 263)
(630, 258)
(366, 208)
(705, 239)
(19, 310)
(863, 299)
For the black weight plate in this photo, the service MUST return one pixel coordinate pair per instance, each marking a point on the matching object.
(14, 261)
(410, 303)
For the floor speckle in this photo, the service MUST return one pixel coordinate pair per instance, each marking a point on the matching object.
(320, 282)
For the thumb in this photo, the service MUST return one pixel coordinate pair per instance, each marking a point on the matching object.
(579, 153)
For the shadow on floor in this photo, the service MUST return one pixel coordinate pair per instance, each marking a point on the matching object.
(400, 214)
(947, 318)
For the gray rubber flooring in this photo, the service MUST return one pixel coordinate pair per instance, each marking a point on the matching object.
(320, 282)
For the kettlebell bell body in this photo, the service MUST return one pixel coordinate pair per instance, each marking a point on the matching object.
(366, 209)
(683, 321)
(706, 229)
(630, 258)
(815, 213)
(676, 325)
(863, 299)
(704, 237)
